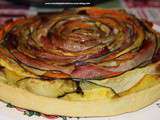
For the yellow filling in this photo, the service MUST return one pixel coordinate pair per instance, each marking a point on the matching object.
(57, 88)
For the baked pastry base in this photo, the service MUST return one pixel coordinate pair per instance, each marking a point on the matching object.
(54, 106)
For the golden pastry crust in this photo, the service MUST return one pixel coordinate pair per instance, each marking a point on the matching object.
(53, 106)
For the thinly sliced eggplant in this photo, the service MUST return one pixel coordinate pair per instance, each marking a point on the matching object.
(129, 79)
(91, 92)
(11, 65)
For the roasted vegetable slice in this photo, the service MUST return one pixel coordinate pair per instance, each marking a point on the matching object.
(53, 88)
(91, 92)
(129, 79)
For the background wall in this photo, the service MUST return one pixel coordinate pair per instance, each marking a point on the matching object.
(145, 9)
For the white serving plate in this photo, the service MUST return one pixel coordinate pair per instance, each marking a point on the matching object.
(151, 112)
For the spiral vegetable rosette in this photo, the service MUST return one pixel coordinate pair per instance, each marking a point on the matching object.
(77, 51)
